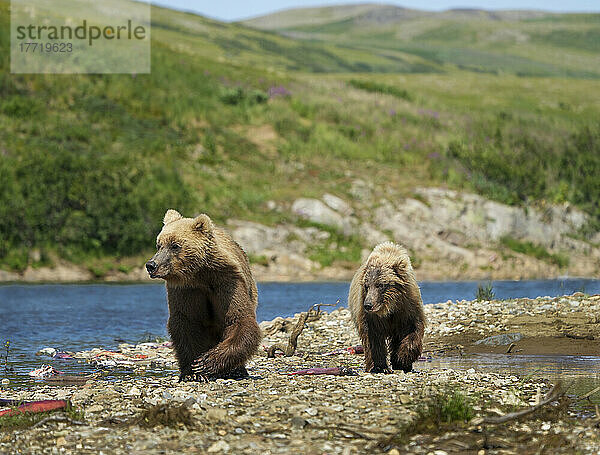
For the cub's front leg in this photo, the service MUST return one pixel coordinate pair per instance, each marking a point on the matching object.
(374, 343)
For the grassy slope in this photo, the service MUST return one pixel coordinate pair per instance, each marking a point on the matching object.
(89, 163)
(525, 43)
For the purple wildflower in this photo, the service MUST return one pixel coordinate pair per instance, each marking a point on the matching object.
(429, 113)
(279, 90)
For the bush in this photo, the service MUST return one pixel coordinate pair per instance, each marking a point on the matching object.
(81, 205)
(237, 96)
(375, 87)
(510, 164)
(444, 409)
(232, 96)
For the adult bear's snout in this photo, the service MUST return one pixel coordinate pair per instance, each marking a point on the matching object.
(151, 266)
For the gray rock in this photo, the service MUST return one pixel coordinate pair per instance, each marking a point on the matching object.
(361, 190)
(318, 212)
(337, 204)
(255, 238)
(501, 340)
(298, 422)
(371, 235)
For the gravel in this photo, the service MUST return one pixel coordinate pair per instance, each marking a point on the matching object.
(273, 412)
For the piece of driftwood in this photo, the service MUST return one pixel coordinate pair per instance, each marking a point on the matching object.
(313, 313)
(554, 394)
(290, 349)
(278, 325)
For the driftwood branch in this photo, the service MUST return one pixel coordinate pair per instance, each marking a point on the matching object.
(290, 349)
(313, 313)
(293, 341)
(555, 393)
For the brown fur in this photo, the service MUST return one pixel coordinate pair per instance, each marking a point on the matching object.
(387, 310)
(212, 297)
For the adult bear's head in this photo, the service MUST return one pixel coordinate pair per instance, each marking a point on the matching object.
(183, 246)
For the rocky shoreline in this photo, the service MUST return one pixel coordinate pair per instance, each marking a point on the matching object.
(67, 273)
(274, 412)
(450, 236)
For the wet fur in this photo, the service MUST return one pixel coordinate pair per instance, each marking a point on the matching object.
(212, 298)
(396, 325)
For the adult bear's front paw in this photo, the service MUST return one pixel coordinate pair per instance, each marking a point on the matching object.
(203, 366)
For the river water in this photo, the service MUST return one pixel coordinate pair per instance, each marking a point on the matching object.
(75, 317)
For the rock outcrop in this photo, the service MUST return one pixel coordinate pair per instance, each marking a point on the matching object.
(450, 236)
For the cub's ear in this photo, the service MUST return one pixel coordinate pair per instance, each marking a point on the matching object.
(171, 215)
(203, 224)
(403, 267)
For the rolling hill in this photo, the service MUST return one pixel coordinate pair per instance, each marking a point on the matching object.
(525, 43)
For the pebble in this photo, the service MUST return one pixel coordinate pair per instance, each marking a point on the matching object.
(405, 398)
(61, 441)
(219, 446)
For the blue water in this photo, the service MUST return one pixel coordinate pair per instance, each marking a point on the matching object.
(75, 317)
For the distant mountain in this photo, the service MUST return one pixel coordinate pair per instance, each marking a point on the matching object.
(525, 43)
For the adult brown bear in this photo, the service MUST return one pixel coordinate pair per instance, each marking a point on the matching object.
(212, 297)
(387, 310)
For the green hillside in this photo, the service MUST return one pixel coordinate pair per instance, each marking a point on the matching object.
(233, 117)
(525, 43)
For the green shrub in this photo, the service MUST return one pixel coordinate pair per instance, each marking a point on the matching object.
(444, 409)
(512, 164)
(232, 96)
(18, 106)
(376, 87)
(237, 96)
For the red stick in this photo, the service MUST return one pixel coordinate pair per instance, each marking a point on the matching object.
(36, 406)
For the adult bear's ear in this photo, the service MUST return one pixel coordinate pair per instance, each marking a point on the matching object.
(171, 215)
(203, 224)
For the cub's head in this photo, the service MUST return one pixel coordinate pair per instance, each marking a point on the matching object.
(385, 279)
(183, 246)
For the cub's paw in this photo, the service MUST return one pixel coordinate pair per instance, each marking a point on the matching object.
(380, 369)
(404, 366)
(193, 377)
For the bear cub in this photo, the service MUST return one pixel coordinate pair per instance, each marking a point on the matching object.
(387, 310)
(212, 297)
